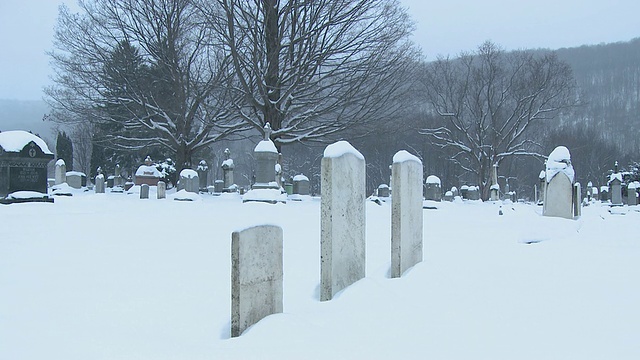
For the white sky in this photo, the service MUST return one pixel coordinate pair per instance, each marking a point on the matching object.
(443, 27)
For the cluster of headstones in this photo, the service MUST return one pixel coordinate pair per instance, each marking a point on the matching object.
(257, 270)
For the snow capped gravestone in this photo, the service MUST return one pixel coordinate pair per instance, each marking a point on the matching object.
(406, 213)
(301, 185)
(189, 181)
(23, 163)
(615, 184)
(432, 188)
(495, 187)
(161, 192)
(100, 185)
(558, 196)
(256, 275)
(61, 172)
(540, 191)
(227, 170)
(342, 210)
(632, 199)
(76, 179)
(265, 188)
(147, 173)
(383, 190)
(203, 174)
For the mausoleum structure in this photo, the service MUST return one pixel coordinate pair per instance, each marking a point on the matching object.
(147, 174)
(23, 165)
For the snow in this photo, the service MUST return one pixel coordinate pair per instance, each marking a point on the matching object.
(542, 174)
(341, 148)
(495, 187)
(150, 286)
(267, 195)
(559, 161)
(432, 179)
(78, 173)
(300, 177)
(266, 146)
(60, 162)
(188, 173)
(615, 176)
(26, 195)
(403, 155)
(184, 195)
(16, 140)
(228, 163)
(632, 185)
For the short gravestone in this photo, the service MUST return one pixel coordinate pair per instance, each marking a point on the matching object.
(76, 179)
(632, 198)
(256, 275)
(60, 172)
(342, 209)
(454, 191)
(432, 188)
(189, 180)
(100, 184)
(161, 192)
(218, 186)
(604, 193)
(383, 190)
(473, 193)
(144, 191)
(558, 196)
(301, 185)
(464, 191)
(406, 213)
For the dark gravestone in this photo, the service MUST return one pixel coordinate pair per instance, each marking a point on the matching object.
(23, 163)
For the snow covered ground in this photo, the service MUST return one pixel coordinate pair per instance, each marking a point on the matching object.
(110, 276)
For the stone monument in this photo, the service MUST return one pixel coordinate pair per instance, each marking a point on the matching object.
(558, 195)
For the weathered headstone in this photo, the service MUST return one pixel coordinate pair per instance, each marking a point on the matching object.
(189, 180)
(632, 197)
(218, 186)
(301, 185)
(464, 191)
(383, 190)
(406, 213)
(432, 188)
(473, 193)
(577, 200)
(495, 187)
(448, 196)
(342, 222)
(604, 193)
(60, 172)
(23, 163)
(161, 192)
(558, 197)
(227, 169)
(76, 179)
(256, 275)
(266, 156)
(203, 175)
(615, 184)
(144, 191)
(100, 184)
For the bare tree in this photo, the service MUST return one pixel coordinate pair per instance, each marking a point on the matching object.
(315, 68)
(147, 72)
(487, 105)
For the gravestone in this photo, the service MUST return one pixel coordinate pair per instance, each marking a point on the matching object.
(118, 180)
(161, 192)
(495, 187)
(203, 173)
(604, 193)
(406, 213)
(432, 188)
(342, 224)
(189, 180)
(100, 184)
(577, 200)
(473, 193)
(454, 191)
(301, 185)
(227, 169)
(144, 191)
(632, 197)
(558, 196)
(589, 190)
(23, 163)
(266, 156)
(218, 186)
(256, 276)
(448, 196)
(464, 191)
(615, 184)
(60, 172)
(76, 179)
(383, 190)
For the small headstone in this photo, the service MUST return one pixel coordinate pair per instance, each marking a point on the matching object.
(432, 188)
(189, 180)
(218, 186)
(100, 184)
(632, 196)
(406, 213)
(473, 193)
(448, 196)
(61, 172)
(144, 191)
(256, 276)
(161, 192)
(342, 224)
(464, 191)
(604, 193)
(76, 179)
(383, 190)
(301, 185)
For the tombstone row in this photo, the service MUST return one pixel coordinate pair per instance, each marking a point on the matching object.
(257, 270)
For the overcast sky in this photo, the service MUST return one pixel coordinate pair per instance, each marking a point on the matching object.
(444, 27)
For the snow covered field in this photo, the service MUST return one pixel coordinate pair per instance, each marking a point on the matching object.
(110, 276)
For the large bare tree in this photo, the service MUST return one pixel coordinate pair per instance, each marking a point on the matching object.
(149, 73)
(312, 69)
(485, 105)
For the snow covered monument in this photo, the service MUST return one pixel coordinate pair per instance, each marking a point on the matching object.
(23, 167)
(265, 188)
(147, 173)
(227, 172)
(433, 188)
(559, 190)
(406, 213)
(342, 224)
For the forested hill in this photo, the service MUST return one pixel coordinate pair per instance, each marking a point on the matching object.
(608, 76)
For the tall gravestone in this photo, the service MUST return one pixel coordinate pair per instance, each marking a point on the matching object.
(558, 196)
(342, 224)
(227, 170)
(615, 184)
(406, 213)
(203, 175)
(144, 191)
(161, 192)
(632, 199)
(266, 156)
(256, 275)
(495, 187)
(60, 172)
(100, 184)
(577, 199)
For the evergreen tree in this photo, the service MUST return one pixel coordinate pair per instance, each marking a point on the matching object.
(64, 149)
